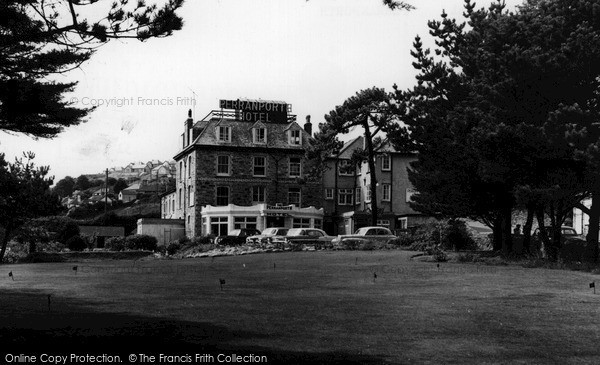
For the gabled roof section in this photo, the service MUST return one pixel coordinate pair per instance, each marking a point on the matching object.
(350, 146)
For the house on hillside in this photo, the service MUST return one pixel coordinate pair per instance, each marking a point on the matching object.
(129, 193)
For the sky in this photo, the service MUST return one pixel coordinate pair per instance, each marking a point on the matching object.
(312, 54)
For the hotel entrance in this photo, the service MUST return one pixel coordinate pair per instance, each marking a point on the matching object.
(275, 222)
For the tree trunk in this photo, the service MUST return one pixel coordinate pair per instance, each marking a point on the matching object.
(371, 157)
(527, 229)
(543, 234)
(593, 229)
(7, 232)
(497, 232)
(507, 229)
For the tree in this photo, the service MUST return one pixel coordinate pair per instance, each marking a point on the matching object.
(40, 38)
(64, 187)
(486, 115)
(82, 183)
(119, 186)
(369, 110)
(25, 194)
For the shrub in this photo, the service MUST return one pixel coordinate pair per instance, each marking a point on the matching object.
(466, 257)
(173, 247)
(51, 246)
(457, 237)
(57, 228)
(115, 244)
(439, 255)
(403, 240)
(203, 240)
(141, 242)
(366, 246)
(76, 243)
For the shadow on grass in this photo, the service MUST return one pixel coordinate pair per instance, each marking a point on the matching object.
(28, 327)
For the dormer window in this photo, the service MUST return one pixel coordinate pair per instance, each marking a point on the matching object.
(224, 134)
(259, 135)
(295, 137)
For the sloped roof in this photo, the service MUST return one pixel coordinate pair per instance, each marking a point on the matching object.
(241, 134)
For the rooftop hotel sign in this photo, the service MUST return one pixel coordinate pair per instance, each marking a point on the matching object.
(259, 110)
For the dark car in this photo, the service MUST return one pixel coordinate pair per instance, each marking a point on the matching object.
(236, 237)
(567, 234)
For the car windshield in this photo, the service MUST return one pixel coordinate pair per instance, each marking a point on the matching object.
(274, 231)
(235, 232)
(361, 231)
(569, 232)
(295, 232)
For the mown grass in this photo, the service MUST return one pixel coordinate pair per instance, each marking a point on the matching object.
(307, 307)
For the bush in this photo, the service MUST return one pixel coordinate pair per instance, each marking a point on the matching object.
(76, 243)
(115, 244)
(141, 242)
(457, 237)
(59, 228)
(203, 240)
(173, 247)
(51, 246)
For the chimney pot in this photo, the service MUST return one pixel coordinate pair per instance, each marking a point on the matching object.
(308, 126)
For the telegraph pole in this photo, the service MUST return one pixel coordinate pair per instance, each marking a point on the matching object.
(105, 194)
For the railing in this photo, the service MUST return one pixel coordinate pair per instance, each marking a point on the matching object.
(235, 115)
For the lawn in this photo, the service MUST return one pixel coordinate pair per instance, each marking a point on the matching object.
(304, 307)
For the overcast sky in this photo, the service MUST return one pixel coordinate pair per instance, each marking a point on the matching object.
(312, 54)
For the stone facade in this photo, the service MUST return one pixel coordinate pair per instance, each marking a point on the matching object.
(222, 162)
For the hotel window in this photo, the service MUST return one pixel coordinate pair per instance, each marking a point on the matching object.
(409, 193)
(259, 166)
(387, 192)
(368, 197)
(190, 166)
(295, 167)
(358, 195)
(180, 198)
(224, 134)
(345, 196)
(386, 163)
(180, 170)
(329, 194)
(301, 223)
(244, 222)
(259, 135)
(294, 196)
(344, 168)
(222, 195)
(191, 196)
(218, 226)
(318, 223)
(258, 194)
(223, 165)
(295, 137)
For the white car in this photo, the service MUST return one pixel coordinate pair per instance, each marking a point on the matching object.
(267, 235)
(372, 234)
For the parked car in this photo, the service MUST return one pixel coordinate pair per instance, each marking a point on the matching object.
(266, 235)
(301, 235)
(567, 234)
(236, 237)
(366, 234)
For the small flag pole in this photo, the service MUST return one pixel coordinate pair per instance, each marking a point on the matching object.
(222, 282)
(49, 295)
(10, 274)
(593, 285)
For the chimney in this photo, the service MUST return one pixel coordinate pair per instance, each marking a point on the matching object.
(187, 127)
(308, 126)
